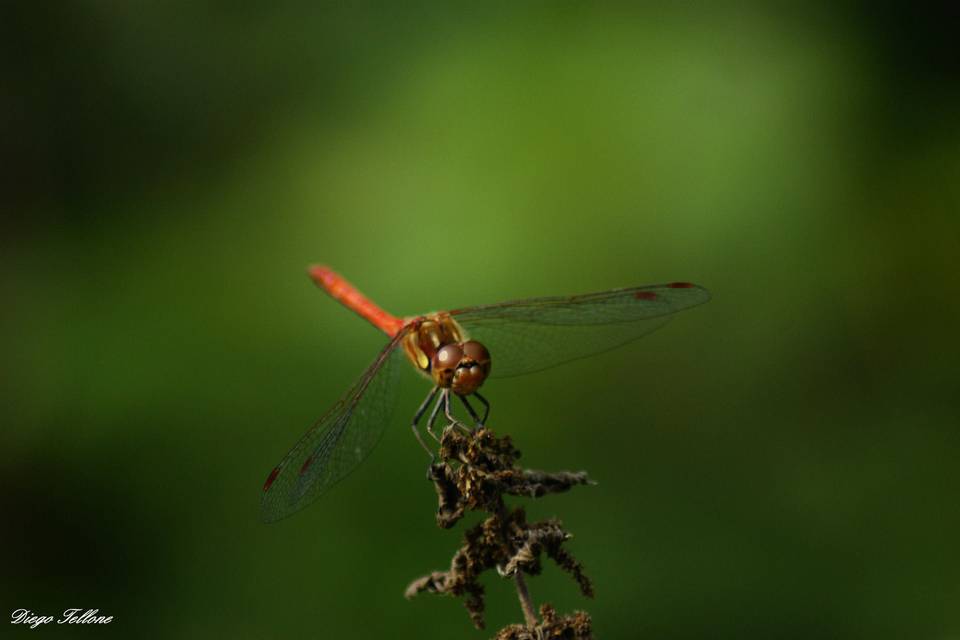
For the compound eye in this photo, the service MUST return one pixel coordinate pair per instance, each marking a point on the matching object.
(444, 363)
(448, 356)
(467, 379)
(476, 352)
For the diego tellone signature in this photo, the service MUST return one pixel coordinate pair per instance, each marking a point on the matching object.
(69, 616)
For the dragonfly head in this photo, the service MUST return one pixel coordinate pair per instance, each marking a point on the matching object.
(461, 366)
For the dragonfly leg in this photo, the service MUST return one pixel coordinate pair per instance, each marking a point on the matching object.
(433, 414)
(452, 418)
(418, 415)
(486, 408)
(473, 414)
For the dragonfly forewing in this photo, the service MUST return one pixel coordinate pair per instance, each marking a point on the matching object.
(538, 333)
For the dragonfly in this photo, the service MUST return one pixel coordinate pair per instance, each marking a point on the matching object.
(449, 348)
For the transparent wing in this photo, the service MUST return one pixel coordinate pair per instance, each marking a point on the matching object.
(534, 334)
(338, 442)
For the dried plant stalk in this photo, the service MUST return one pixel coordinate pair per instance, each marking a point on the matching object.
(475, 471)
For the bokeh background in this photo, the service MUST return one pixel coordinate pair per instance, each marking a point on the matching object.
(781, 462)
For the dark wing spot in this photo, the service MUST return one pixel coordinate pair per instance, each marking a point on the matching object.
(681, 285)
(306, 465)
(645, 295)
(271, 478)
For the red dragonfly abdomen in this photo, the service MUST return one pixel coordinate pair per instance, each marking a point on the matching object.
(350, 297)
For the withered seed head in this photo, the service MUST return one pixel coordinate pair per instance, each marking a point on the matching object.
(476, 470)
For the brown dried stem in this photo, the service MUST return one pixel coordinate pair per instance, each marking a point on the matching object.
(524, 594)
(476, 470)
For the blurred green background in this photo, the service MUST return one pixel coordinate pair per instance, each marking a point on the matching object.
(781, 462)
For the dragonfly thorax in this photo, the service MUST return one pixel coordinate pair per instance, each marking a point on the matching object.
(438, 347)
